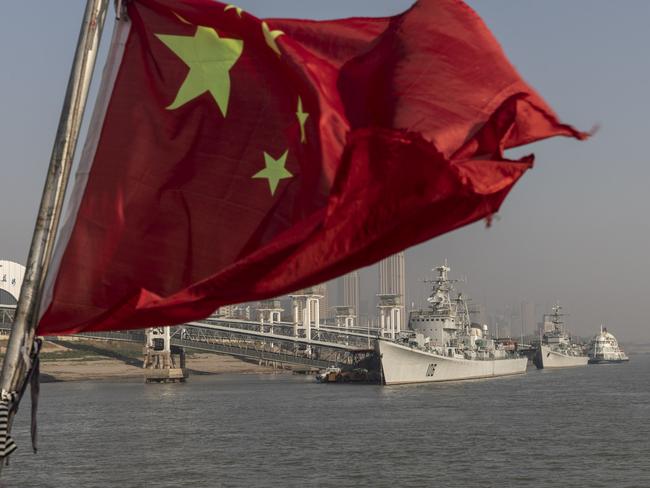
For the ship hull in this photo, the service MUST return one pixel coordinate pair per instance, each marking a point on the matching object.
(402, 365)
(546, 358)
(608, 361)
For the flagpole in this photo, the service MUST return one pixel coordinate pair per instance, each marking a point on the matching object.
(81, 77)
(20, 344)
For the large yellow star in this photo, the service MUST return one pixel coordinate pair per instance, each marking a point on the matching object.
(274, 171)
(270, 37)
(210, 59)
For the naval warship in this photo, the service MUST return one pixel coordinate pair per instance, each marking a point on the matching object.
(556, 349)
(441, 343)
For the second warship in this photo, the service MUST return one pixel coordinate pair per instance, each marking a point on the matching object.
(556, 349)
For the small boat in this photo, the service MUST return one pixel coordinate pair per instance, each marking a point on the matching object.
(330, 375)
(604, 349)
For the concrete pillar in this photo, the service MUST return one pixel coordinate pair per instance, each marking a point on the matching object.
(296, 308)
(158, 361)
(168, 339)
(398, 320)
(306, 321)
(393, 322)
(295, 317)
(316, 305)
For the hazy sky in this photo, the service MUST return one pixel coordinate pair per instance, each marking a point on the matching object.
(575, 229)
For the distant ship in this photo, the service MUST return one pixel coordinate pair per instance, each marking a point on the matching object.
(443, 345)
(604, 348)
(556, 350)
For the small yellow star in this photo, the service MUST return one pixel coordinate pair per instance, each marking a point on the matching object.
(302, 118)
(231, 6)
(274, 171)
(271, 37)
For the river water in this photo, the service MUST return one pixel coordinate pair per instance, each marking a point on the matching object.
(566, 428)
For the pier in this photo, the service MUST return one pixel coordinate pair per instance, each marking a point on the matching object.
(277, 343)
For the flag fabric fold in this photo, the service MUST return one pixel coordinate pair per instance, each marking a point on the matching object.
(234, 159)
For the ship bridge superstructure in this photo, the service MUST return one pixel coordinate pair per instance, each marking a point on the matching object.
(440, 322)
(557, 335)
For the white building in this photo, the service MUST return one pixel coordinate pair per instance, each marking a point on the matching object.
(11, 281)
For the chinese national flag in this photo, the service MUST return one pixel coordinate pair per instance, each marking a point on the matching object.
(232, 159)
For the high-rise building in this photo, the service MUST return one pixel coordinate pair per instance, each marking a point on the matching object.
(321, 290)
(349, 291)
(241, 311)
(527, 318)
(392, 281)
(365, 316)
(479, 314)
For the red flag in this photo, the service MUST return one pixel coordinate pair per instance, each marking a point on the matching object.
(231, 159)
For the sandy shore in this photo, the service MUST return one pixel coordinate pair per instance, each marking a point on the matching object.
(71, 359)
(79, 370)
(113, 369)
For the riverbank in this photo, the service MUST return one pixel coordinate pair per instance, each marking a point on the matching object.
(87, 360)
(114, 369)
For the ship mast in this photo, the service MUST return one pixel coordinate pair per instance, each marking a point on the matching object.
(440, 298)
(556, 318)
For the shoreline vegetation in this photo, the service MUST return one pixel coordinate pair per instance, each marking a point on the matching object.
(73, 359)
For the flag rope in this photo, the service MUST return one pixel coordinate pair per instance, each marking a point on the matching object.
(7, 444)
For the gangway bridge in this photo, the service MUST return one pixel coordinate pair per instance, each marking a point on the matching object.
(281, 343)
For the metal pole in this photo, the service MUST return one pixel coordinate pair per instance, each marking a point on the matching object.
(26, 317)
(90, 36)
